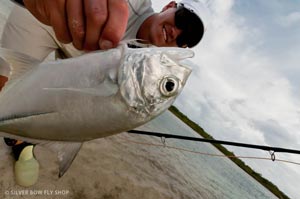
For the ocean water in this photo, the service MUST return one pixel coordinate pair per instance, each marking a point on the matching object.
(130, 169)
(206, 176)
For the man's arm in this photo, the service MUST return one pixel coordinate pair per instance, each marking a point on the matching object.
(89, 24)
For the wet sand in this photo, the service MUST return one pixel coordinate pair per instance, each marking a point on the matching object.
(104, 168)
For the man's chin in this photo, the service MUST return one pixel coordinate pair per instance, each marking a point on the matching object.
(157, 43)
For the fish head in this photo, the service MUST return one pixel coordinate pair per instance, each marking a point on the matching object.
(150, 79)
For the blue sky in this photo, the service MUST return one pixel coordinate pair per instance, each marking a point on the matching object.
(245, 84)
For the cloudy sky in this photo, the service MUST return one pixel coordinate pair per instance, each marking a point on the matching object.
(246, 85)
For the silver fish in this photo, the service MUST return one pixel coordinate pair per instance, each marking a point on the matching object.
(92, 96)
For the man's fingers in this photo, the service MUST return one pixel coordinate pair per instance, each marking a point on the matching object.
(96, 15)
(116, 24)
(58, 20)
(90, 24)
(76, 22)
(37, 10)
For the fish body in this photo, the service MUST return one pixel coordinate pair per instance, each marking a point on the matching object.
(63, 103)
(91, 96)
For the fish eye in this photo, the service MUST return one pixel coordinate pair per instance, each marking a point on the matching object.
(169, 86)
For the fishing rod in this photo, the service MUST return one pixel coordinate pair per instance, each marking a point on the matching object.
(272, 150)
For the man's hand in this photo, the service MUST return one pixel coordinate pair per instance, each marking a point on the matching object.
(3, 79)
(88, 24)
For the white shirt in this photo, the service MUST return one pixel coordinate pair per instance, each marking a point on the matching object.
(25, 34)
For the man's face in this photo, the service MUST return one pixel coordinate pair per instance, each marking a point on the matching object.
(174, 26)
(162, 29)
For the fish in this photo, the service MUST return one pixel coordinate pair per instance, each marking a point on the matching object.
(61, 104)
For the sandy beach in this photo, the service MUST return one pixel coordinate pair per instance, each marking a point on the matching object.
(104, 168)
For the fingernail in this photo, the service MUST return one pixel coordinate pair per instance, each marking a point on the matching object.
(106, 44)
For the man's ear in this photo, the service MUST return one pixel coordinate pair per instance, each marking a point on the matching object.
(172, 4)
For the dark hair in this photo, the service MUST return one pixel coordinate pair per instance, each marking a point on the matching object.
(191, 26)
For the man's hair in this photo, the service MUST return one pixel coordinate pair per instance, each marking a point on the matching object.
(191, 24)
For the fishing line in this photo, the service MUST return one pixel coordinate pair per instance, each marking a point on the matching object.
(213, 141)
(207, 154)
(164, 145)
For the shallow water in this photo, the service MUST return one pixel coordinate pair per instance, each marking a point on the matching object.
(207, 176)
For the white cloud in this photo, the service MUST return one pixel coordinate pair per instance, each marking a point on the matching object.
(292, 19)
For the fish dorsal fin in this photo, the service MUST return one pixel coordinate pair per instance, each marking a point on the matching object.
(66, 153)
(19, 63)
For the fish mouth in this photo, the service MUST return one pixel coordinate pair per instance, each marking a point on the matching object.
(22, 116)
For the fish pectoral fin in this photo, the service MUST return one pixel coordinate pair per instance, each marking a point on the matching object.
(16, 63)
(66, 153)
